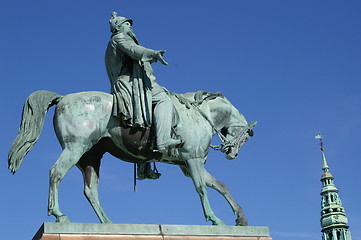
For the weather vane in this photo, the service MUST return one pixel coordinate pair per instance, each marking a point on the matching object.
(318, 136)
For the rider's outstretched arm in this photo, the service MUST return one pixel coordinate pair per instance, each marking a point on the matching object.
(128, 46)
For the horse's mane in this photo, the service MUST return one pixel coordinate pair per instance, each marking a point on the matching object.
(196, 98)
(201, 96)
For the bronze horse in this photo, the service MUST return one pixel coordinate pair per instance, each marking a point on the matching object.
(86, 129)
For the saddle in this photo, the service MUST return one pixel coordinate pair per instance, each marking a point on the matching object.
(143, 141)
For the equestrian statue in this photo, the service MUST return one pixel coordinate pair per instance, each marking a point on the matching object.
(138, 121)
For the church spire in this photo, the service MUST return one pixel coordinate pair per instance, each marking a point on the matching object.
(324, 162)
(333, 216)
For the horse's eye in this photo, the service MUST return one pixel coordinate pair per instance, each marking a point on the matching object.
(224, 131)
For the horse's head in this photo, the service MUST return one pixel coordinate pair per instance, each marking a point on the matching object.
(234, 138)
(230, 125)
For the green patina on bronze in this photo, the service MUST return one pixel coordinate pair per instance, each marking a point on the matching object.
(88, 125)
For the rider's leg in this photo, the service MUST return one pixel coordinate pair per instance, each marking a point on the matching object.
(163, 121)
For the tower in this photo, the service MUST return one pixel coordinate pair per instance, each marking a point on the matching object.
(333, 216)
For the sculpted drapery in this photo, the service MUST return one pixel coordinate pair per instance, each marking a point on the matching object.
(132, 79)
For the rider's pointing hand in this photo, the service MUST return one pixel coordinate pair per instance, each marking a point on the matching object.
(159, 57)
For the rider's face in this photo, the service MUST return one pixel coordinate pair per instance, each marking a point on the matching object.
(127, 27)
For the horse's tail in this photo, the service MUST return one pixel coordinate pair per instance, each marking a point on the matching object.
(34, 111)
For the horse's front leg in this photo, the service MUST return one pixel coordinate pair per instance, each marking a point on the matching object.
(198, 173)
(222, 189)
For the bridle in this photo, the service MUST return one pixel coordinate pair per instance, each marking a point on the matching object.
(237, 142)
(241, 137)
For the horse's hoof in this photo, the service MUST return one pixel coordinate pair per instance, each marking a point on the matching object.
(62, 219)
(241, 222)
(218, 223)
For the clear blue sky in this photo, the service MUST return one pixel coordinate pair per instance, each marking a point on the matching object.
(294, 66)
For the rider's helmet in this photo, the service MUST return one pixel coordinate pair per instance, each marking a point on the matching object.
(116, 21)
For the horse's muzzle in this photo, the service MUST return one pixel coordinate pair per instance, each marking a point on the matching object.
(231, 153)
(231, 157)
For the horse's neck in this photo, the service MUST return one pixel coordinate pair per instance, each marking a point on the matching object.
(223, 114)
(219, 112)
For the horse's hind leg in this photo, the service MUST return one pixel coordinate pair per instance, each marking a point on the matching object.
(197, 172)
(222, 189)
(66, 161)
(89, 166)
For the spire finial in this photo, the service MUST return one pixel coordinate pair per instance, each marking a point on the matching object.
(324, 162)
(319, 136)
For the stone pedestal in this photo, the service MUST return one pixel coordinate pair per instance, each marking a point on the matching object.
(93, 231)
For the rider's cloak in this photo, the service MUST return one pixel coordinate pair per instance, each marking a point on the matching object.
(132, 79)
